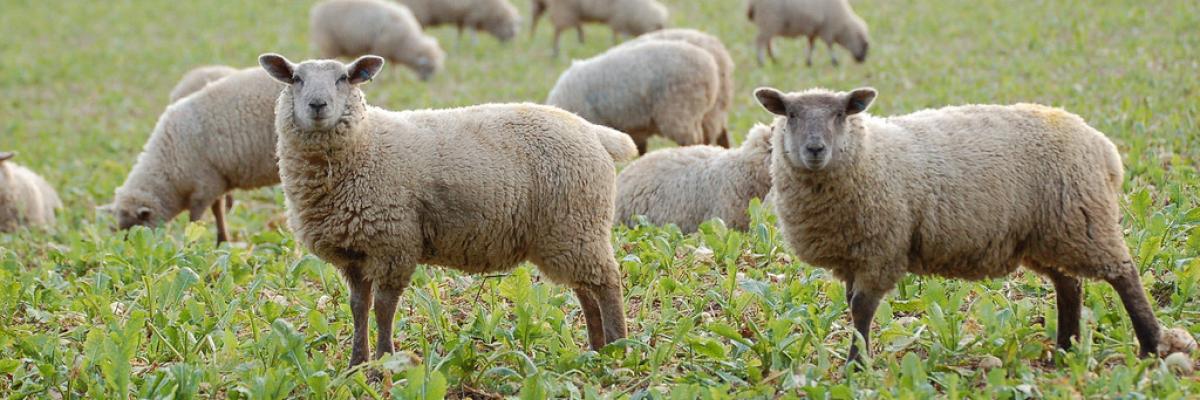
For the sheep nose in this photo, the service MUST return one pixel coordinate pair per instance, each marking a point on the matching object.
(317, 106)
(815, 150)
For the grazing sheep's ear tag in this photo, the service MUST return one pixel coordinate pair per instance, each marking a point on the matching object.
(771, 99)
(364, 69)
(278, 67)
(4, 156)
(859, 100)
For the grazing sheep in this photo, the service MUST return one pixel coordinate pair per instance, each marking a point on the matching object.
(219, 139)
(831, 20)
(717, 119)
(965, 192)
(655, 86)
(197, 78)
(686, 186)
(632, 17)
(354, 28)
(498, 17)
(25, 198)
(479, 189)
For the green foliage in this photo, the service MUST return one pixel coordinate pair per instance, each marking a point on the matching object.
(86, 312)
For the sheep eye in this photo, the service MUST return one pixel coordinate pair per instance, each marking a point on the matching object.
(297, 79)
(343, 79)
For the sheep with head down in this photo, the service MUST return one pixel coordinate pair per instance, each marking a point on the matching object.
(967, 192)
(479, 189)
(832, 21)
(353, 28)
(497, 17)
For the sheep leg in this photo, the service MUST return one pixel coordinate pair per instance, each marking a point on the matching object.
(386, 297)
(641, 144)
(832, 54)
(592, 316)
(557, 33)
(228, 201)
(218, 210)
(812, 42)
(360, 303)
(1069, 293)
(612, 310)
(723, 139)
(862, 310)
(579, 32)
(1129, 286)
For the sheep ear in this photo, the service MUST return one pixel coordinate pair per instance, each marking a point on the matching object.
(859, 100)
(364, 69)
(772, 100)
(278, 67)
(143, 213)
(6, 155)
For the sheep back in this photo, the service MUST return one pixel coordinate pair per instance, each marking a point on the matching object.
(25, 198)
(197, 78)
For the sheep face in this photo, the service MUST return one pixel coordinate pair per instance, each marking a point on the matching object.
(813, 131)
(136, 208)
(858, 45)
(320, 88)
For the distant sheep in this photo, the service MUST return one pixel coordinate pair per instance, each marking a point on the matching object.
(652, 87)
(967, 192)
(717, 120)
(354, 28)
(686, 186)
(25, 198)
(198, 78)
(480, 189)
(217, 140)
(831, 20)
(632, 17)
(497, 17)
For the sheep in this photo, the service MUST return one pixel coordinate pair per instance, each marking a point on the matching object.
(632, 17)
(25, 198)
(967, 192)
(497, 17)
(479, 189)
(831, 20)
(689, 185)
(655, 86)
(718, 114)
(353, 28)
(216, 140)
(197, 78)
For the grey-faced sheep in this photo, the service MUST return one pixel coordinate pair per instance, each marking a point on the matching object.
(203, 146)
(353, 28)
(198, 78)
(479, 189)
(833, 21)
(686, 186)
(661, 87)
(632, 17)
(967, 192)
(717, 120)
(497, 17)
(25, 198)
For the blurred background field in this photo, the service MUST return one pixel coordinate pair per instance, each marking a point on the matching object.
(719, 314)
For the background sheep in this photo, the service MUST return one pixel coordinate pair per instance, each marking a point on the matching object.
(25, 198)
(480, 189)
(498, 17)
(220, 139)
(632, 17)
(716, 122)
(686, 186)
(967, 192)
(663, 87)
(353, 28)
(197, 78)
(831, 20)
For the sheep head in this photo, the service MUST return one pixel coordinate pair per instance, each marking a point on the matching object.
(812, 129)
(321, 89)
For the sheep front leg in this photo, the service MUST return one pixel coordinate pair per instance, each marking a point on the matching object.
(592, 317)
(557, 33)
(1129, 286)
(812, 43)
(360, 304)
(1069, 293)
(863, 304)
(832, 54)
(612, 311)
(218, 210)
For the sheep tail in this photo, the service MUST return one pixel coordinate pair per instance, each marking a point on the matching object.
(618, 144)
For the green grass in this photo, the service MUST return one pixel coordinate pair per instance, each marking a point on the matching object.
(86, 312)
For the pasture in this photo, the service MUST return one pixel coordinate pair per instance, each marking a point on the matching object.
(86, 312)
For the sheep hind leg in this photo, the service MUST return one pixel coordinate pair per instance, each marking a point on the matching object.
(812, 43)
(218, 210)
(360, 304)
(863, 305)
(832, 54)
(592, 316)
(1068, 291)
(612, 311)
(1129, 286)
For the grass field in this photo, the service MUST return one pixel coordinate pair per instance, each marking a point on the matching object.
(85, 312)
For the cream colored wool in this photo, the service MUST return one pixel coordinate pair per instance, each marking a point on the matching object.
(353, 28)
(686, 186)
(25, 198)
(479, 189)
(966, 192)
(653, 87)
(198, 78)
(716, 121)
(497, 17)
(832, 21)
(203, 146)
(631, 17)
